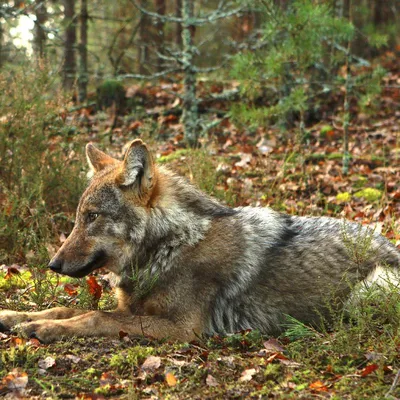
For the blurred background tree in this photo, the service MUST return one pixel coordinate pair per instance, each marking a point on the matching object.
(285, 53)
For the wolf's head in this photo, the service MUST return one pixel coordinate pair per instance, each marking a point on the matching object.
(112, 212)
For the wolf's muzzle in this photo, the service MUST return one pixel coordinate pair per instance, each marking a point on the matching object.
(56, 265)
(61, 266)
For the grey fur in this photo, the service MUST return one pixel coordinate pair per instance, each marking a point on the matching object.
(186, 264)
(284, 264)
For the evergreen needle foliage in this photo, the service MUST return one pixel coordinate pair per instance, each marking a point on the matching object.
(298, 62)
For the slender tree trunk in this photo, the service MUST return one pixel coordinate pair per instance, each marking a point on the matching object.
(83, 67)
(346, 118)
(178, 32)
(2, 56)
(143, 51)
(190, 103)
(39, 33)
(69, 69)
(246, 25)
(160, 9)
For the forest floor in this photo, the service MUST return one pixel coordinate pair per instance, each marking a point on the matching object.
(258, 167)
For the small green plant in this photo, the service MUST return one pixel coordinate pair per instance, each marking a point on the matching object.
(298, 52)
(245, 340)
(202, 170)
(358, 244)
(40, 179)
(17, 356)
(131, 358)
(343, 197)
(111, 93)
(370, 194)
(294, 329)
(142, 280)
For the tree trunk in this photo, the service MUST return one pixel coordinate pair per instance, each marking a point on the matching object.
(69, 44)
(143, 51)
(39, 33)
(246, 24)
(2, 56)
(178, 13)
(83, 67)
(190, 104)
(159, 38)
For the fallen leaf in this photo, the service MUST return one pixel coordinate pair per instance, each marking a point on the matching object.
(178, 363)
(35, 342)
(245, 160)
(134, 125)
(16, 380)
(151, 363)
(16, 341)
(11, 271)
(273, 345)
(94, 288)
(74, 359)
(170, 378)
(369, 369)
(318, 386)
(211, 381)
(47, 363)
(106, 378)
(247, 375)
(70, 289)
(3, 336)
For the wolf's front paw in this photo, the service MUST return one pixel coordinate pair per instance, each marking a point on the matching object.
(9, 319)
(46, 331)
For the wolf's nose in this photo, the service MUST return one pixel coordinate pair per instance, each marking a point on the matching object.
(55, 265)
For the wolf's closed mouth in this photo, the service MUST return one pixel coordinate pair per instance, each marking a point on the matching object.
(99, 259)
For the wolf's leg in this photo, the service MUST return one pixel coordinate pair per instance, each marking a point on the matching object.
(9, 318)
(101, 323)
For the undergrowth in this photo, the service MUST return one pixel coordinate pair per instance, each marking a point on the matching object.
(40, 178)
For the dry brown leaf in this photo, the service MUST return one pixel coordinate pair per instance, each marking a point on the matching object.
(16, 380)
(211, 381)
(47, 363)
(273, 345)
(151, 363)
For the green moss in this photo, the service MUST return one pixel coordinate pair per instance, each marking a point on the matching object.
(335, 156)
(316, 156)
(130, 358)
(176, 155)
(369, 194)
(15, 281)
(360, 182)
(343, 197)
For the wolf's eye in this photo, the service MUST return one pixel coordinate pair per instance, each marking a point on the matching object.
(92, 216)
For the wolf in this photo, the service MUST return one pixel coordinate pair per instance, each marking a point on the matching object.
(187, 266)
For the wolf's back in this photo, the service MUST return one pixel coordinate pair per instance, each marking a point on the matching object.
(294, 266)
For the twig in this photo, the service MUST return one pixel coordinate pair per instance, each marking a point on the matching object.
(212, 17)
(394, 384)
(150, 77)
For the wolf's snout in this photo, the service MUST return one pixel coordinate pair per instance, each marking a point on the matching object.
(56, 265)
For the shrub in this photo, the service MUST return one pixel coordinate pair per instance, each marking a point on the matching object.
(40, 178)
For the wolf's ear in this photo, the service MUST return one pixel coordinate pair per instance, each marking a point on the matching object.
(97, 159)
(138, 167)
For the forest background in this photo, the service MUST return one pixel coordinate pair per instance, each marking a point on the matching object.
(292, 104)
